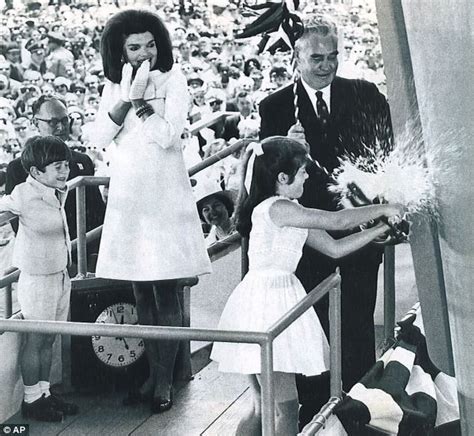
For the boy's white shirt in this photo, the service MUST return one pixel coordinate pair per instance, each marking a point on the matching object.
(42, 243)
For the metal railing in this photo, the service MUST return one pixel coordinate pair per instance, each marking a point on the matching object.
(263, 339)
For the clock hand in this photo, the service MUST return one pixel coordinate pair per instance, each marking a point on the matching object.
(116, 322)
(115, 316)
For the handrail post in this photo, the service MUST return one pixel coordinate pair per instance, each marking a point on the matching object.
(335, 350)
(268, 397)
(8, 301)
(81, 231)
(389, 291)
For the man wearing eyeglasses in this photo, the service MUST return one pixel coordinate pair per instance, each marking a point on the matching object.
(50, 118)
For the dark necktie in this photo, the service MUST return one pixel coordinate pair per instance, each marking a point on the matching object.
(322, 108)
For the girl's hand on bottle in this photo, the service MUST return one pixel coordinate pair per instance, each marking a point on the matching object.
(138, 87)
(394, 212)
(126, 82)
(381, 226)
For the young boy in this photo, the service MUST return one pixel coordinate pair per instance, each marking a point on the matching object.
(42, 253)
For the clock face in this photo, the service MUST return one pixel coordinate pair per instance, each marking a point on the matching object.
(114, 351)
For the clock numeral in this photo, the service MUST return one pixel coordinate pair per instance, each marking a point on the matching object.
(96, 338)
(120, 309)
(121, 358)
(109, 356)
(100, 349)
(132, 353)
(141, 344)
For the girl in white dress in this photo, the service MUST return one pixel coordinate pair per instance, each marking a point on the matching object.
(152, 233)
(278, 227)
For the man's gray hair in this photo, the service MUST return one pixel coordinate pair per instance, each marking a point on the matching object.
(317, 24)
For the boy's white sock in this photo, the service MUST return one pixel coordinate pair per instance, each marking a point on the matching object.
(44, 386)
(32, 393)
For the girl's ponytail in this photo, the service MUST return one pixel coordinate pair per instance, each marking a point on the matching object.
(242, 213)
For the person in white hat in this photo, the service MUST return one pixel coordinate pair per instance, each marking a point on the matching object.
(215, 208)
(61, 85)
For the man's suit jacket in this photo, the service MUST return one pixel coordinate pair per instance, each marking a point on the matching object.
(80, 165)
(231, 129)
(42, 245)
(359, 117)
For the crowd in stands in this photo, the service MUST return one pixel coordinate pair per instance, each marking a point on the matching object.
(54, 49)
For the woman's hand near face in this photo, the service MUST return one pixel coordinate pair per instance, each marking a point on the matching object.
(119, 111)
(139, 84)
(126, 82)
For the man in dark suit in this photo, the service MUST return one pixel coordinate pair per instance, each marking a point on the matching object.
(246, 111)
(51, 118)
(338, 116)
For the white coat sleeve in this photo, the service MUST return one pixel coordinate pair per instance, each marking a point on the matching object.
(166, 131)
(105, 130)
(11, 203)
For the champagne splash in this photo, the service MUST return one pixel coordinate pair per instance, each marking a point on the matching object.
(405, 175)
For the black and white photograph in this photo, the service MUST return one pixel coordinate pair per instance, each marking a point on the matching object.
(236, 217)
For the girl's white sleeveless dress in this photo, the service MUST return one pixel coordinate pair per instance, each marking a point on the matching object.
(266, 293)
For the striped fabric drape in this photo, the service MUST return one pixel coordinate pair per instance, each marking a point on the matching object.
(404, 393)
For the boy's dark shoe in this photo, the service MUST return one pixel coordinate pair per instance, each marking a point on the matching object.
(41, 410)
(57, 403)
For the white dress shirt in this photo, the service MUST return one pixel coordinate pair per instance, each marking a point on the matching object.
(312, 95)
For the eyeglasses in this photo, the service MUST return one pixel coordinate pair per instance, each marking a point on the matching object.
(80, 91)
(25, 89)
(20, 128)
(54, 122)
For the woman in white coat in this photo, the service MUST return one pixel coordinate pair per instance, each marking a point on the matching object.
(152, 234)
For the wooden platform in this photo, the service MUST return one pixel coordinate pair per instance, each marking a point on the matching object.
(211, 404)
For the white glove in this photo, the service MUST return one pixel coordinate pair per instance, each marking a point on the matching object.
(126, 82)
(137, 90)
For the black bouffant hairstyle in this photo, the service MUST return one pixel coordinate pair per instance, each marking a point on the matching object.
(124, 24)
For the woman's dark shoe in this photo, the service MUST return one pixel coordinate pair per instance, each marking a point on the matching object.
(160, 405)
(135, 397)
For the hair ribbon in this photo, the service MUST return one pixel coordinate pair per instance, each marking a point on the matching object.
(257, 150)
